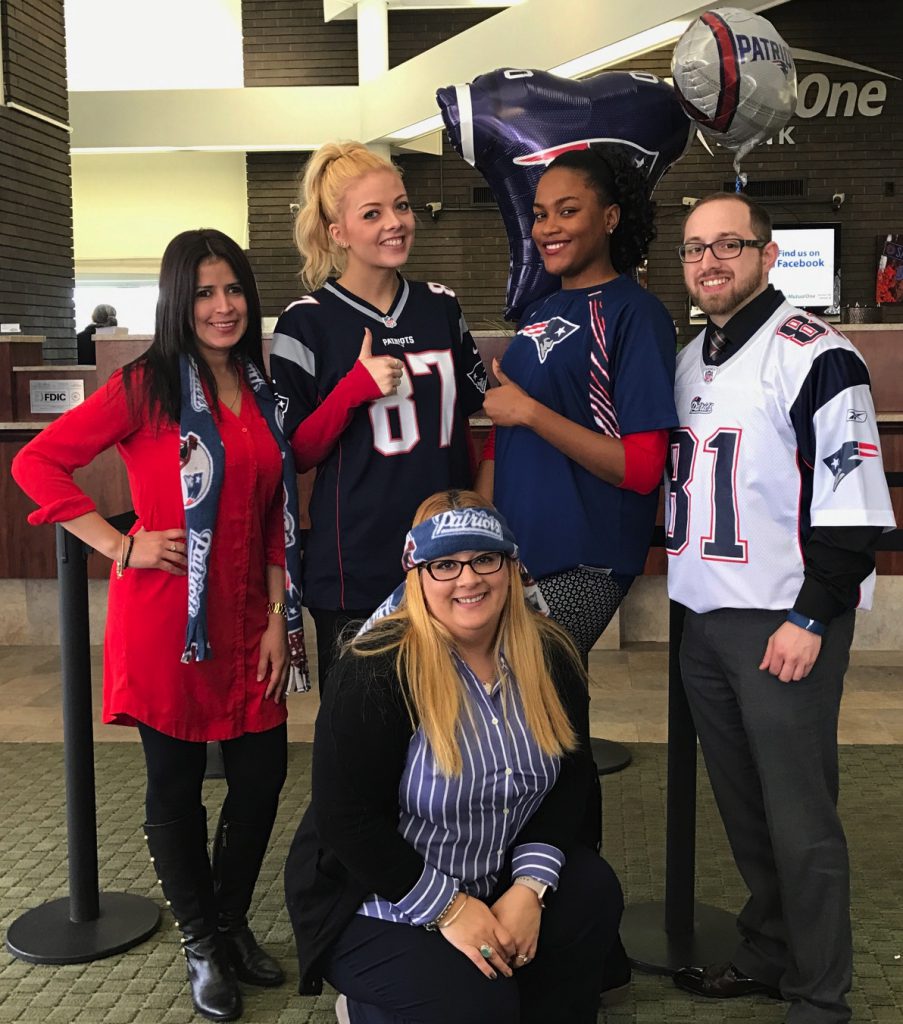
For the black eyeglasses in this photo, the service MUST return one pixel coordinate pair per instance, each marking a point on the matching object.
(485, 564)
(723, 248)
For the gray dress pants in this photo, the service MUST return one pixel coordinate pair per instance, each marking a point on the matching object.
(771, 753)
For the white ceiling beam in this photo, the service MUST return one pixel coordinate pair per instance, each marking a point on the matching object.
(346, 10)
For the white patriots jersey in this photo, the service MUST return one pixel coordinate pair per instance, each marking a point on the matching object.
(778, 439)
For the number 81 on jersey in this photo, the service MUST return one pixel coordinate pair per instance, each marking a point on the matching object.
(722, 543)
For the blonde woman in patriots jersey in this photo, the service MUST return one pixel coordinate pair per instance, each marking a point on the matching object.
(775, 496)
(377, 376)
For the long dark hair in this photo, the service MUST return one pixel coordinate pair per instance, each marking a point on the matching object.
(615, 179)
(160, 390)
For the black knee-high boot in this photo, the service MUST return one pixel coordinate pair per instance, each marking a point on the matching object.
(178, 850)
(238, 852)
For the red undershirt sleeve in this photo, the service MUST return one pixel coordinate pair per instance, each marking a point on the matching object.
(488, 454)
(644, 460)
(317, 433)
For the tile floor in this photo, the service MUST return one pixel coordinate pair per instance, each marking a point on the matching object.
(629, 690)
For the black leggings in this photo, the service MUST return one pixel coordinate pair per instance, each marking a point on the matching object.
(256, 766)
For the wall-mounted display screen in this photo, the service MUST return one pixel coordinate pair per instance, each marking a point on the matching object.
(808, 267)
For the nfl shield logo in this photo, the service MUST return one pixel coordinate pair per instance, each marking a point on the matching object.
(708, 374)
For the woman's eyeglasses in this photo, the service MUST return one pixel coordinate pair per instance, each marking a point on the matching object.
(723, 248)
(485, 564)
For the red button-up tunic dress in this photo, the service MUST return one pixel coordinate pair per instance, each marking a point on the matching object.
(144, 678)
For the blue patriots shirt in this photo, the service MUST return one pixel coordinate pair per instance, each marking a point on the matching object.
(604, 358)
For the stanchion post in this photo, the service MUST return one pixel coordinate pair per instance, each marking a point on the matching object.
(663, 937)
(680, 835)
(78, 739)
(88, 924)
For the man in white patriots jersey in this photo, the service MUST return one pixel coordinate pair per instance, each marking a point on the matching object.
(775, 496)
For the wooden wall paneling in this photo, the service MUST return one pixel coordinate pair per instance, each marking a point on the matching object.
(36, 250)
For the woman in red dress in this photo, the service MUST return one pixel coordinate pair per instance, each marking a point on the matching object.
(196, 645)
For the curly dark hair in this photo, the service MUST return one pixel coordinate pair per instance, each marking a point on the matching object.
(616, 179)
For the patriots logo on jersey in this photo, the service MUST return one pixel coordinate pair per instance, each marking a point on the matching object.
(848, 457)
(281, 406)
(643, 159)
(548, 333)
(477, 377)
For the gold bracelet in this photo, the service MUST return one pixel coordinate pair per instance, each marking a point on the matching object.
(454, 916)
(277, 608)
(431, 926)
(120, 566)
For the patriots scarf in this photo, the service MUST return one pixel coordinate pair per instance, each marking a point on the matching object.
(460, 529)
(202, 463)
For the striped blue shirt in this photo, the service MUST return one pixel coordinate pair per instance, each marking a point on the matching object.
(464, 827)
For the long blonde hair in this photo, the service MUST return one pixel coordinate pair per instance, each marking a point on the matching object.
(327, 176)
(431, 685)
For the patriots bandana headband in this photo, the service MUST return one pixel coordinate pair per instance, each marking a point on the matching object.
(460, 529)
(463, 529)
(201, 466)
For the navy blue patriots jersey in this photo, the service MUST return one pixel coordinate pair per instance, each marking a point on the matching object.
(396, 450)
(603, 357)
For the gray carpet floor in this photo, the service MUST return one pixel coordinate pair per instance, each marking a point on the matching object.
(147, 983)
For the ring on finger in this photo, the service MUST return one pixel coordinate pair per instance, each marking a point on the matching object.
(486, 951)
(524, 959)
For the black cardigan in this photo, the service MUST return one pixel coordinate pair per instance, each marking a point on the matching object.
(348, 844)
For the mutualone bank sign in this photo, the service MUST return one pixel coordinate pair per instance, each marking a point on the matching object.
(836, 94)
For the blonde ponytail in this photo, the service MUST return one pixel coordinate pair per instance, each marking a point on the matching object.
(326, 178)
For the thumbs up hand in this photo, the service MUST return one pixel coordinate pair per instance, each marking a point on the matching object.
(386, 371)
(507, 405)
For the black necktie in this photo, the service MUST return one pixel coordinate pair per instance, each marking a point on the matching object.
(717, 343)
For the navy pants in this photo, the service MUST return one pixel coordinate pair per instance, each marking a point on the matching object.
(398, 974)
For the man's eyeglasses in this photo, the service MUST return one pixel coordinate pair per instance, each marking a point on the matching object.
(723, 248)
(484, 564)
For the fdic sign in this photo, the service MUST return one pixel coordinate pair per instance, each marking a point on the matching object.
(54, 396)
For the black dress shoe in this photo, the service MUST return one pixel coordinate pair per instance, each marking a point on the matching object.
(721, 981)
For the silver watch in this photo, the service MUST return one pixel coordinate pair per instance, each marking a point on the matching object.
(535, 885)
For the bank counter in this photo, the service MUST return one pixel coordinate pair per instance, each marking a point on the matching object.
(31, 394)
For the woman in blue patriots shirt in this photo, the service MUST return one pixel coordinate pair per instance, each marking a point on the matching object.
(586, 397)
(443, 848)
(377, 376)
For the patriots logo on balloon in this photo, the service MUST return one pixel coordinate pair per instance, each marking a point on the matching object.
(734, 81)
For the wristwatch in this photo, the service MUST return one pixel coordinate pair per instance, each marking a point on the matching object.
(276, 608)
(535, 885)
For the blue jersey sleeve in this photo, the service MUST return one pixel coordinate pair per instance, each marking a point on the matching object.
(644, 365)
